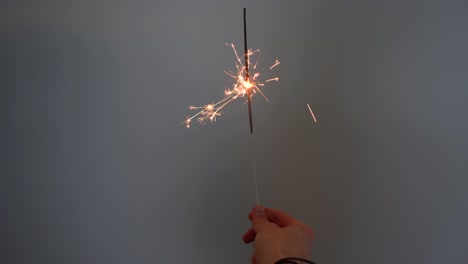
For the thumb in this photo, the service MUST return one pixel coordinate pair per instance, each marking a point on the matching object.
(259, 215)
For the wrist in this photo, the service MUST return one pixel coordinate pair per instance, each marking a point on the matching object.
(292, 260)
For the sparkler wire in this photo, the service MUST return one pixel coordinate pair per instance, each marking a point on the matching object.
(255, 168)
(249, 102)
(246, 57)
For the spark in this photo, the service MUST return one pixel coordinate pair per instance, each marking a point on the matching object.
(274, 65)
(239, 89)
(312, 113)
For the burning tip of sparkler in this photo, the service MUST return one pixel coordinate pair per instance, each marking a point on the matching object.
(248, 84)
(243, 86)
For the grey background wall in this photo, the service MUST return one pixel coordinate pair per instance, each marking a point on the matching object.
(95, 167)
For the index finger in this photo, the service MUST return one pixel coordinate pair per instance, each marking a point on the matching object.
(281, 218)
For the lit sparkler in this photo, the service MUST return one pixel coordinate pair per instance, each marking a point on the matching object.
(243, 86)
(247, 83)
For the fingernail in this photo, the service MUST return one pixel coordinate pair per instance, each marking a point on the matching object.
(259, 210)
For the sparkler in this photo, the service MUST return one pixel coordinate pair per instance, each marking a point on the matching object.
(247, 83)
(249, 91)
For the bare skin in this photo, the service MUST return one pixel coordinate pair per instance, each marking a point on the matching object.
(277, 235)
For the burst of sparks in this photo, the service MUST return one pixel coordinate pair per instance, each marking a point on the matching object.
(238, 90)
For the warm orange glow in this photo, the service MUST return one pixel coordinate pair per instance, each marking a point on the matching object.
(240, 88)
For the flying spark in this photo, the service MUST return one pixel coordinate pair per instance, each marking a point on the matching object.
(312, 113)
(240, 89)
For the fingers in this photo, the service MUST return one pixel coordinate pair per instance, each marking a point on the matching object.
(281, 218)
(253, 259)
(276, 216)
(249, 236)
(259, 215)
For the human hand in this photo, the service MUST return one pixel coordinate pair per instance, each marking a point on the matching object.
(277, 235)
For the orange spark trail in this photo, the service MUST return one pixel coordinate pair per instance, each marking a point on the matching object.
(312, 113)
